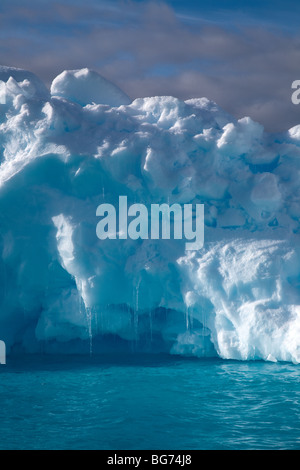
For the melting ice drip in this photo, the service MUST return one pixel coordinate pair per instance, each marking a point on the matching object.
(89, 317)
(136, 309)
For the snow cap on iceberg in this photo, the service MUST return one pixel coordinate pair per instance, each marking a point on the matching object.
(19, 81)
(86, 87)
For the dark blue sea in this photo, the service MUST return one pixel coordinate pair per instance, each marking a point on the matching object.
(148, 402)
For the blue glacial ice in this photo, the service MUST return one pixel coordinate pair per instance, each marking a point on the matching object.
(65, 151)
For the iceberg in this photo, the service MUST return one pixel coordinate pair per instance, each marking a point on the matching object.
(84, 143)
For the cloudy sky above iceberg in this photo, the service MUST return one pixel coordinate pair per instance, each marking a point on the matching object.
(243, 55)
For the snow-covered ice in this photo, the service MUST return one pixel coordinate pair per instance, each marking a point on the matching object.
(65, 151)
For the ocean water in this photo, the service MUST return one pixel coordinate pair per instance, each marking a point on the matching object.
(148, 402)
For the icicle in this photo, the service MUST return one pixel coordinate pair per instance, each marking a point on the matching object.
(136, 310)
(90, 333)
(151, 326)
(187, 319)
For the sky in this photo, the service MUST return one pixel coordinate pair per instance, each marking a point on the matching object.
(242, 54)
